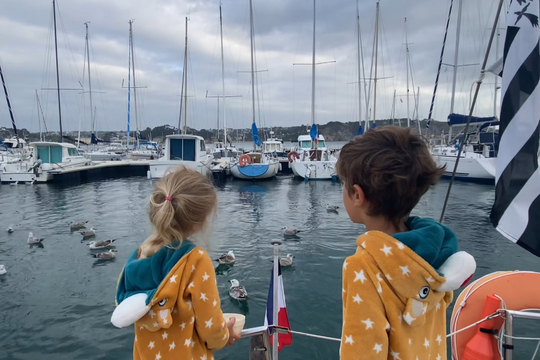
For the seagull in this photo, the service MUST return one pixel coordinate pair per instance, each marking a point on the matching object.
(286, 261)
(10, 229)
(76, 226)
(93, 245)
(237, 291)
(332, 208)
(34, 240)
(290, 232)
(109, 255)
(88, 233)
(227, 258)
(3, 270)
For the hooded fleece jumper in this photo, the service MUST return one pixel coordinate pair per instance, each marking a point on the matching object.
(184, 319)
(392, 308)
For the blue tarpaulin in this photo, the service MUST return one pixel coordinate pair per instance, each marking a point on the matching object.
(314, 132)
(255, 135)
(459, 119)
(373, 126)
(360, 130)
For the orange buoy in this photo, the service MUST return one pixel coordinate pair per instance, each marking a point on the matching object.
(518, 289)
(292, 156)
(244, 160)
(483, 345)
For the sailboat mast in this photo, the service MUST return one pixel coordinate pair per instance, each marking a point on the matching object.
(252, 64)
(57, 72)
(89, 80)
(407, 70)
(39, 120)
(456, 53)
(134, 84)
(358, 61)
(313, 71)
(394, 108)
(222, 79)
(185, 83)
(376, 55)
(129, 87)
(417, 115)
(496, 77)
(9, 106)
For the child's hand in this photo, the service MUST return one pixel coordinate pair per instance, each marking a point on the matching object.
(232, 335)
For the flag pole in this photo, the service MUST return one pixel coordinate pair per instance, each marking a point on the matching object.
(275, 307)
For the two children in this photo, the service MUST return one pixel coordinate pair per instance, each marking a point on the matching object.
(168, 287)
(398, 284)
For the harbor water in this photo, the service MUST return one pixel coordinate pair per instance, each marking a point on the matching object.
(56, 300)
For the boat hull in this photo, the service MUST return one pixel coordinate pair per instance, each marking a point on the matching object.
(469, 169)
(158, 168)
(255, 171)
(314, 170)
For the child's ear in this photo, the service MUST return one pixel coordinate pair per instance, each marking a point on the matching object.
(359, 198)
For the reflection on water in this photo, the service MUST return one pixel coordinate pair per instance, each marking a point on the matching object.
(61, 298)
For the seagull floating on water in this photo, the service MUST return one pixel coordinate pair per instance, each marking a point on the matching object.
(290, 231)
(237, 291)
(34, 240)
(88, 233)
(76, 226)
(227, 258)
(286, 261)
(93, 245)
(3, 270)
(10, 229)
(331, 207)
(109, 255)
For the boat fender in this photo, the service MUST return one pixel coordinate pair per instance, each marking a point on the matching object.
(244, 160)
(292, 156)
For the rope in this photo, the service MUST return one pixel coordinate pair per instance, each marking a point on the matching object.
(314, 336)
(521, 338)
(494, 315)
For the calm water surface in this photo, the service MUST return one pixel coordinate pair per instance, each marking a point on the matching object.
(56, 301)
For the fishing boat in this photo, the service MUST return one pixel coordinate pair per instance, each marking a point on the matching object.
(274, 147)
(255, 164)
(315, 162)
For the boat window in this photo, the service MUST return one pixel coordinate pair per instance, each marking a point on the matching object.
(43, 154)
(182, 149)
(72, 152)
(272, 147)
(321, 143)
(56, 154)
(305, 144)
(203, 146)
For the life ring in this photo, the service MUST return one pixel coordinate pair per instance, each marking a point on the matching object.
(520, 290)
(244, 160)
(291, 155)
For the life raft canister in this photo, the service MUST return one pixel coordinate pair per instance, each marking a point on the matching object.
(244, 160)
(481, 346)
(291, 155)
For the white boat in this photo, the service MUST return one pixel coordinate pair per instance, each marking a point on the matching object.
(274, 147)
(182, 150)
(46, 157)
(147, 150)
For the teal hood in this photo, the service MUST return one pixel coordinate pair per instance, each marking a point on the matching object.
(145, 275)
(429, 239)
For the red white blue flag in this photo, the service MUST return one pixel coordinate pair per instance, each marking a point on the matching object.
(283, 318)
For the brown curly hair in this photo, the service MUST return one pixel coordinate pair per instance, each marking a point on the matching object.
(392, 166)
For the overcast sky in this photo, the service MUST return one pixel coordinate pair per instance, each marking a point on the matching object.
(283, 36)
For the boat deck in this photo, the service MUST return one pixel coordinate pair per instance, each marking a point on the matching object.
(100, 171)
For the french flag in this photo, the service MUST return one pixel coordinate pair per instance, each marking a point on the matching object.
(283, 318)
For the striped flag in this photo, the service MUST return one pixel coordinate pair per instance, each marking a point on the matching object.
(516, 211)
(283, 318)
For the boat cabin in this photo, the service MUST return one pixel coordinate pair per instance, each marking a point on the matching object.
(184, 147)
(12, 143)
(53, 152)
(305, 142)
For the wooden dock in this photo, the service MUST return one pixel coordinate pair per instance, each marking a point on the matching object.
(100, 171)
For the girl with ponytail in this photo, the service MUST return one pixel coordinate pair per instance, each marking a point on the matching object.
(168, 286)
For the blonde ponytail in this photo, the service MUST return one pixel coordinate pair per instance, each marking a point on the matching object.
(180, 206)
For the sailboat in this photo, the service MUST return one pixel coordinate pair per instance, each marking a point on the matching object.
(479, 157)
(46, 156)
(182, 149)
(311, 159)
(255, 164)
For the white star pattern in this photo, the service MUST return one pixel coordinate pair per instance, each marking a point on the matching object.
(430, 279)
(214, 303)
(408, 318)
(438, 306)
(410, 342)
(426, 343)
(438, 356)
(360, 276)
(439, 339)
(191, 284)
(203, 297)
(152, 313)
(379, 288)
(357, 299)
(151, 345)
(389, 277)
(201, 252)
(187, 342)
(395, 355)
(224, 336)
(209, 323)
(400, 245)
(387, 327)
(400, 317)
(158, 356)
(205, 277)
(192, 320)
(164, 335)
(173, 279)
(155, 324)
(172, 346)
(189, 303)
(203, 357)
(183, 325)
(192, 268)
(387, 250)
(349, 340)
(369, 323)
(405, 270)
(364, 244)
(379, 276)
(345, 264)
(378, 348)
(343, 291)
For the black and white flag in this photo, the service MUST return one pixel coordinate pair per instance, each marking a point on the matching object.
(516, 211)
